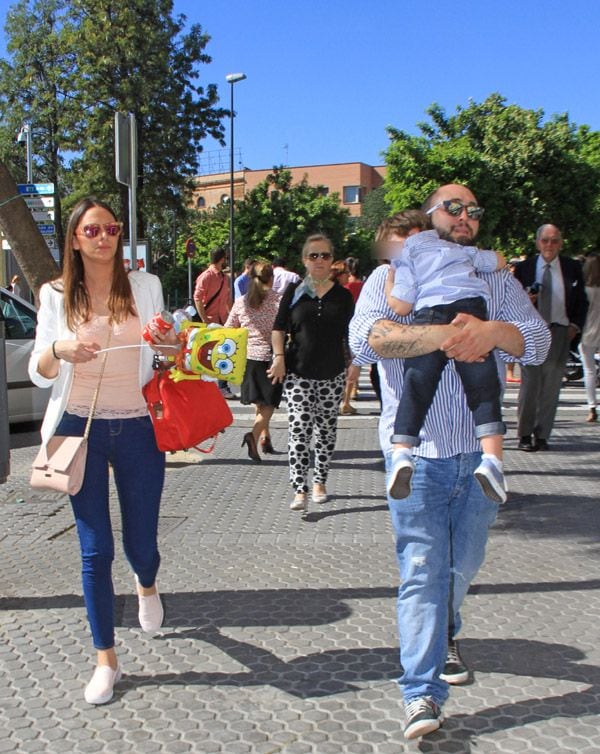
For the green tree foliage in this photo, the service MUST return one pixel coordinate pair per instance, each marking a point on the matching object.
(375, 209)
(72, 65)
(35, 87)
(276, 217)
(590, 150)
(524, 170)
(209, 229)
(149, 68)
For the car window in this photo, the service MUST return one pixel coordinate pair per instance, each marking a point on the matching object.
(19, 320)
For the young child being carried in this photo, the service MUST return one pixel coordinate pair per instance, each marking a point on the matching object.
(437, 279)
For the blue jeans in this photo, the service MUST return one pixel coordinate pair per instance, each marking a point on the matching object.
(441, 532)
(139, 472)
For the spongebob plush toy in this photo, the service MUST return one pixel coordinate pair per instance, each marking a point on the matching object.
(211, 351)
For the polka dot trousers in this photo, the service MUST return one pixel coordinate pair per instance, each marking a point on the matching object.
(313, 407)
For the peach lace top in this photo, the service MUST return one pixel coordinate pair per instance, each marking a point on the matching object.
(120, 396)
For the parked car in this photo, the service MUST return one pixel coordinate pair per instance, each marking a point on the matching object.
(26, 402)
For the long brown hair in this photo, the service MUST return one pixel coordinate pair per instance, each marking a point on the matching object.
(78, 307)
(591, 271)
(261, 274)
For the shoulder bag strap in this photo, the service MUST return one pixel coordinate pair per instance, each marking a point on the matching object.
(212, 298)
(97, 390)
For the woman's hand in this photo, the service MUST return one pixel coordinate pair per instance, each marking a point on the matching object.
(75, 351)
(167, 343)
(277, 370)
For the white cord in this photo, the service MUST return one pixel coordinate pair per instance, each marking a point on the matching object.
(140, 345)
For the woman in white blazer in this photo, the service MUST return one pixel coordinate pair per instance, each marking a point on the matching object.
(96, 305)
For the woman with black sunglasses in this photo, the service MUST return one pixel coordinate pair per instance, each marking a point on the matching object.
(309, 346)
(94, 306)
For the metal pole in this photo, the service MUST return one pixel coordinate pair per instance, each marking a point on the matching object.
(231, 78)
(4, 430)
(133, 192)
(231, 219)
(29, 154)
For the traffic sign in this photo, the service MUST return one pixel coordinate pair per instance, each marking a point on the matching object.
(50, 243)
(190, 248)
(39, 202)
(49, 229)
(43, 217)
(35, 188)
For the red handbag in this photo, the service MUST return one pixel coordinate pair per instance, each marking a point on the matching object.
(185, 413)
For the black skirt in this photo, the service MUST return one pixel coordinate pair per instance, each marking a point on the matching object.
(257, 387)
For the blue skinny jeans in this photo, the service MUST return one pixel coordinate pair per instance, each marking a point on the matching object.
(139, 471)
(441, 532)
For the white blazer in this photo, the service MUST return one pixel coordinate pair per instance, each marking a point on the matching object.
(52, 325)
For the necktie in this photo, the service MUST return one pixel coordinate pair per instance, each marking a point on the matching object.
(545, 307)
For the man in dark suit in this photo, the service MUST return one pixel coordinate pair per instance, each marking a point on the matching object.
(556, 287)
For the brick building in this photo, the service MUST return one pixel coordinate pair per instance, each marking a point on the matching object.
(351, 181)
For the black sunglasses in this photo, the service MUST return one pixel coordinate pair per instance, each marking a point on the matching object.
(314, 255)
(454, 207)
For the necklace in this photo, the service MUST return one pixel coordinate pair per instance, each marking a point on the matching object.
(319, 281)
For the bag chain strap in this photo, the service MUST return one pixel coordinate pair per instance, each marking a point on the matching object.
(97, 390)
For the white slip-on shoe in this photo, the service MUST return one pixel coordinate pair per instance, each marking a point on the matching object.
(299, 502)
(150, 612)
(100, 689)
(320, 497)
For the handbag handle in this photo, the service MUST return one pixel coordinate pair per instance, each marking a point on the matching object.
(97, 390)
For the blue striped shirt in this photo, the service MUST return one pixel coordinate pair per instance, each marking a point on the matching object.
(449, 428)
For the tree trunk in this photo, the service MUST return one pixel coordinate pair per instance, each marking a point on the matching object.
(24, 238)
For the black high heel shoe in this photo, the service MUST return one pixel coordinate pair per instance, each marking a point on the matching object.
(250, 442)
(265, 445)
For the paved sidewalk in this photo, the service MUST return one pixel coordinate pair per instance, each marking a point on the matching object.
(280, 632)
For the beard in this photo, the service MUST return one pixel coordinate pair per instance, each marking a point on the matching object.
(461, 240)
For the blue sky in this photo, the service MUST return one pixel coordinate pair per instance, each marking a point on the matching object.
(325, 77)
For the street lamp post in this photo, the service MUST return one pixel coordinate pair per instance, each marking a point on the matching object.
(232, 78)
(25, 136)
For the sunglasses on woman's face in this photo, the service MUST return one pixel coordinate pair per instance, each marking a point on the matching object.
(314, 255)
(93, 230)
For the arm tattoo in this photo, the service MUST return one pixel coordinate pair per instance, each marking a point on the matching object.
(392, 340)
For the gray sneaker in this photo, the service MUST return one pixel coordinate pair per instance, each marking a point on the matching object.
(455, 670)
(423, 716)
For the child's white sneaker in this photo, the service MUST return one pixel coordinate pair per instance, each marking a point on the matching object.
(490, 476)
(400, 480)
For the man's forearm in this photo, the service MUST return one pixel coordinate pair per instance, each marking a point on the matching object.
(508, 338)
(200, 309)
(392, 340)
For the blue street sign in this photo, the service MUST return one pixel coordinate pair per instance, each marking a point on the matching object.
(35, 188)
(47, 230)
